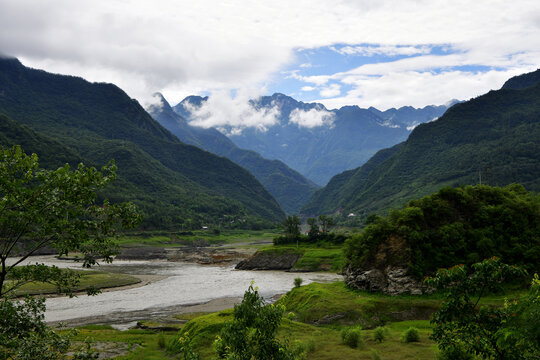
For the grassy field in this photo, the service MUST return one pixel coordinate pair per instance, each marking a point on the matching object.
(167, 239)
(95, 279)
(319, 313)
(321, 342)
(314, 258)
(335, 304)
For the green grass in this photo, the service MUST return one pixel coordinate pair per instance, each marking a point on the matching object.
(144, 342)
(96, 279)
(327, 340)
(325, 259)
(314, 258)
(310, 303)
(334, 303)
(167, 239)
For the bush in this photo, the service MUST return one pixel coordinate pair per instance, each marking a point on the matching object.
(352, 337)
(378, 334)
(411, 335)
(375, 355)
(310, 346)
(161, 341)
(299, 349)
(456, 352)
(298, 282)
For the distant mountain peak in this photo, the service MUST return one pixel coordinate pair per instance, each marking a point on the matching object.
(158, 104)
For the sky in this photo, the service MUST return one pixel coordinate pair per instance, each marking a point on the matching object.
(377, 53)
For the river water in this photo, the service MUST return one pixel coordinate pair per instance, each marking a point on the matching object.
(183, 284)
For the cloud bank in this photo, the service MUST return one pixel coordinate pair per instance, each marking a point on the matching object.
(312, 118)
(231, 115)
(184, 48)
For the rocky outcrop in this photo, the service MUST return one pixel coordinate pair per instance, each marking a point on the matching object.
(268, 260)
(391, 280)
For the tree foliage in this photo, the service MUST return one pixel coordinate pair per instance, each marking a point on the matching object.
(457, 226)
(57, 209)
(251, 334)
(510, 332)
(291, 226)
(54, 208)
(326, 222)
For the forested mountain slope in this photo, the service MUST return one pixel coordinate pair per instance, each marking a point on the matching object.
(172, 182)
(493, 139)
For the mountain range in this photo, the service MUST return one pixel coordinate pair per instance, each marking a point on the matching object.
(68, 119)
(289, 188)
(492, 139)
(317, 142)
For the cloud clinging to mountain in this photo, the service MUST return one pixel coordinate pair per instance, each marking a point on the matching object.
(205, 46)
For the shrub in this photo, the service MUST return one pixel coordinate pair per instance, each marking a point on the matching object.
(378, 334)
(298, 282)
(310, 346)
(352, 337)
(161, 341)
(299, 349)
(251, 334)
(375, 355)
(411, 335)
(182, 345)
(456, 352)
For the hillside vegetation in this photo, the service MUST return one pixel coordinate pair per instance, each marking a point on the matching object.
(454, 226)
(173, 183)
(493, 139)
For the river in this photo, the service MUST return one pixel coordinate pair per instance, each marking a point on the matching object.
(181, 284)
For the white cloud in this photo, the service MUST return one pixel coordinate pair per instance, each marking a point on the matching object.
(312, 118)
(231, 115)
(387, 50)
(308, 88)
(330, 91)
(187, 47)
(417, 89)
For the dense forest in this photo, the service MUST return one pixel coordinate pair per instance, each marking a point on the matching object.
(461, 225)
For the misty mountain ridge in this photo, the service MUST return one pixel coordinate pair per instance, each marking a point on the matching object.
(311, 139)
(289, 188)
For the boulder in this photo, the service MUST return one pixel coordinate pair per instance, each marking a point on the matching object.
(391, 280)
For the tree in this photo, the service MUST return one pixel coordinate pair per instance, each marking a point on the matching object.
(313, 227)
(326, 222)
(251, 334)
(54, 208)
(489, 332)
(292, 226)
(49, 208)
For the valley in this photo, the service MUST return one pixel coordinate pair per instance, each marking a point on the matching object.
(417, 234)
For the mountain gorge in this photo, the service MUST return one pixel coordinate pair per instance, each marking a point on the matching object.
(173, 183)
(318, 142)
(289, 188)
(493, 139)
